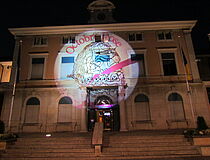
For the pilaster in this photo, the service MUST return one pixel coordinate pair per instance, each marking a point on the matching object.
(121, 101)
(83, 108)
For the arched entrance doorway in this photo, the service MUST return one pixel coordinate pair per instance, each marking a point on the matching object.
(104, 115)
(103, 108)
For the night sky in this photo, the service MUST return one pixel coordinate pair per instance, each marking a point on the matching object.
(47, 13)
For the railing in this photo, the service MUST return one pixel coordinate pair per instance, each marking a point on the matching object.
(97, 139)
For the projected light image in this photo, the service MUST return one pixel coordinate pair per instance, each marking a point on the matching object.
(98, 58)
(91, 63)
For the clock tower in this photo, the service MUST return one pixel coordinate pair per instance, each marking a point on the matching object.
(101, 11)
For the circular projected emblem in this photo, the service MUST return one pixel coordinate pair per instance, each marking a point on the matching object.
(98, 58)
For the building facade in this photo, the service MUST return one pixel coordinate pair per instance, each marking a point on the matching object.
(130, 76)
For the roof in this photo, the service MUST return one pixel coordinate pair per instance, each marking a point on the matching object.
(138, 26)
(100, 5)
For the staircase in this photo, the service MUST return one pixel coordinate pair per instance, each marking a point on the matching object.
(147, 145)
(60, 146)
(116, 145)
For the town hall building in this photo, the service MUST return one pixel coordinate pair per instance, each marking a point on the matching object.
(130, 76)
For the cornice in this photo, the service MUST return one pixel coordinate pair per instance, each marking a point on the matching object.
(5, 63)
(114, 27)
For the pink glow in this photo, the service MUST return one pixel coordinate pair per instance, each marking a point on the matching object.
(104, 106)
(118, 66)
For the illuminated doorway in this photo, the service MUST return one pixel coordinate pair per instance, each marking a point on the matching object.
(103, 108)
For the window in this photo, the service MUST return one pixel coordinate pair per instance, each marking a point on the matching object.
(142, 108)
(97, 38)
(40, 41)
(176, 107)
(68, 39)
(141, 98)
(141, 62)
(168, 35)
(131, 37)
(33, 101)
(208, 93)
(65, 100)
(135, 37)
(32, 110)
(64, 109)
(67, 59)
(139, 37)
(169, 64)
(37, 69)
(163, 35)
(106, 37)
(67, 64)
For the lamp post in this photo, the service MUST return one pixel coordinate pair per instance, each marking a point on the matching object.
(13, 79)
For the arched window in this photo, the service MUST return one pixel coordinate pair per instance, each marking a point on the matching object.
(142, 108)
(65, 100)
(174, 97)
(64, 109)
(176, 107)
(141, 98)
(32, 110)
(33, 101)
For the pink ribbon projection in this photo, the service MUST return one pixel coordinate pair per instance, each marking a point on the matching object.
(114, 68)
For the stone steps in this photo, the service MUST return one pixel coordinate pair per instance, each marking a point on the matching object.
(32, 140)
(143, 145)
(136, 136)
(90, 156)
(152, 153)
(51, 150)
(143, 136)
(182, 139)
(127, 140)
(51, 146)
(148, 148)
(58, 146)
(54, 142)
(117, 145)
(149, 153)
(147, 144)
(147, 157)
(185, 157)
(42, 156)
